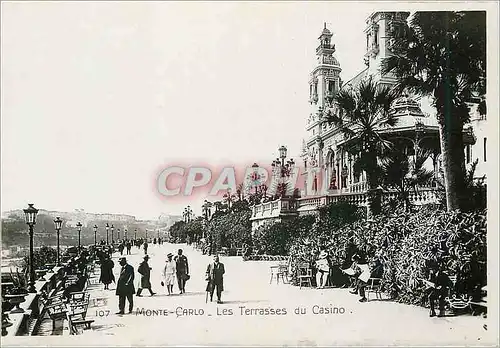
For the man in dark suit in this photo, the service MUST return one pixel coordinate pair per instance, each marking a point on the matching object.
(125, 286)
(182, 270)
(215, 278)
(440, 285)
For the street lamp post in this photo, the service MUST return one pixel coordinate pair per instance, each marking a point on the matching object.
(58, 223)
(112, 234)
(135, 234)
(30, 215)
(126, 233)
(118, 238)
(146, 234)
(95, 234)
(107, 230)
(280, 168)
(79, 228)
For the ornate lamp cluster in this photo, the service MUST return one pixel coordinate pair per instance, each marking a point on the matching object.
(188, 214)
(280, 168)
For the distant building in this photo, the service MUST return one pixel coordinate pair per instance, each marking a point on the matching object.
(168, 220)
(78, 215)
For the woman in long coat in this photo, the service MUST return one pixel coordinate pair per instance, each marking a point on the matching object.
(107, 275)
(145, 272)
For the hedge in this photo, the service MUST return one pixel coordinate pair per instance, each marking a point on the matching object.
(407, 244)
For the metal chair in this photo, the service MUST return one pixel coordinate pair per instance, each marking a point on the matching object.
(304, 275)
(374, 285)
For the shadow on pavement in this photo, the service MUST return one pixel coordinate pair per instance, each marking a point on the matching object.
(250, 301)
(175, 294)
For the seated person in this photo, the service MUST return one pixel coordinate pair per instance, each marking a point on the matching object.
(361, 272)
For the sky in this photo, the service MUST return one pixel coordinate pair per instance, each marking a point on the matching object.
(98, 96)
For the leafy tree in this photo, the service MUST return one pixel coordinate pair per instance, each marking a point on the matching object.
(276, 238)
(361, 113)
(194, 229)
(231, 229)
(178, 231)
(41, 257)
(443, 55)
(241, 205)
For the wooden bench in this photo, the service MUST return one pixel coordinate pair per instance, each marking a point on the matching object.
(76, 322)
(77, 311)
(56, 312)
(70, 280)
(54, 299)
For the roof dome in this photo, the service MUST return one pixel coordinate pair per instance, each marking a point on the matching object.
(406, 106)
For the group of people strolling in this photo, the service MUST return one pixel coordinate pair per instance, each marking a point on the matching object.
(175, 270)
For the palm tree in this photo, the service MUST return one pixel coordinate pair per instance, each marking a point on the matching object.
(228, 198)
(443, 55)
(405, 174)
(361, 114)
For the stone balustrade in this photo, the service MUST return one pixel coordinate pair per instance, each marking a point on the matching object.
(355, 194)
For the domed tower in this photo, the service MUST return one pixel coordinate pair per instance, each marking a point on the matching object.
(324, 83)
(325, 77)
(378, 42)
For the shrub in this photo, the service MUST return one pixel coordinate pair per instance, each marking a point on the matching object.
(407, 244)
(41, 257)
(276, 238)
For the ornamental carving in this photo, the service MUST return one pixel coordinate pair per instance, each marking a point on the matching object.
(313, 157)
(311, 118)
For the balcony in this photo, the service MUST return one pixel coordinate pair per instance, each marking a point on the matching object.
(372, 51)
(274, 209)
(323, 47)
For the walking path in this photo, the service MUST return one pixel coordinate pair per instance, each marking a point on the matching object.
(256, 312)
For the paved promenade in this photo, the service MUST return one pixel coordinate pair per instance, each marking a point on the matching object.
(244, 318)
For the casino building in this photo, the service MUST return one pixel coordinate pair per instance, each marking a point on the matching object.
(329, 167)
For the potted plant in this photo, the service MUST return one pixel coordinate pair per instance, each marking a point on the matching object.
(18, 292)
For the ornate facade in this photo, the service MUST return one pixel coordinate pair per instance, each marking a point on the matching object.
(329, 174)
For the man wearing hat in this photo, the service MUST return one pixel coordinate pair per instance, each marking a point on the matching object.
(145, 272)
(182, 270)
(323, 269)
(169, 274)
(215, 277)
(125, 286)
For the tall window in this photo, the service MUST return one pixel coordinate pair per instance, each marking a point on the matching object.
(468, 153)
(484, 149)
